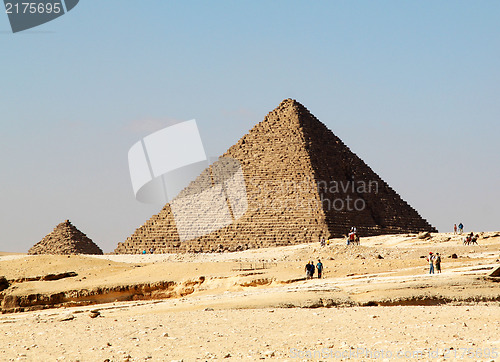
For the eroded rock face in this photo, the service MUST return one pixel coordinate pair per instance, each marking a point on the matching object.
(4, 283)
(302, 183)
(144, 291)
(65, 239)
(496, 274)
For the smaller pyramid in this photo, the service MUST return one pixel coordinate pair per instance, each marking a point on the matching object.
(65, 239)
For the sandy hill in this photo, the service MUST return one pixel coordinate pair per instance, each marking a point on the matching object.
(383, 270)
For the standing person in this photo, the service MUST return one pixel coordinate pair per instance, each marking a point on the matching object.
(438, 263)
(460, 228)
(322, 241)
(312, 269)
(455, 229)
(308, 271)
(319, 266)
(351, 238)
(430, 259)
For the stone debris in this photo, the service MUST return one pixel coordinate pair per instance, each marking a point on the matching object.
(424, 235)
(66, 317)
(94, 313)
(269, 353)
(302, 183)
(65, 239)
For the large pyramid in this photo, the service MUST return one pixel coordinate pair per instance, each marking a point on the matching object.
(65, 239)
(302, 183)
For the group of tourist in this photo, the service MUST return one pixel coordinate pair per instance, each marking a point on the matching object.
(471, 238)
(460, 228)
(311, 269)
(353, 237)
(434, 260)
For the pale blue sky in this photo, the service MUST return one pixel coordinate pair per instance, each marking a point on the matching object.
(412, 87)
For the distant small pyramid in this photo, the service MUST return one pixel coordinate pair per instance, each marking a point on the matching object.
(302, 183)
(65, 239)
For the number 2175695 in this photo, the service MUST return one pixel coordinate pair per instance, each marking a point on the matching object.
(33, 8)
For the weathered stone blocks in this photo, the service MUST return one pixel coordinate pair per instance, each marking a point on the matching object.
(65, 239)
(301, 183)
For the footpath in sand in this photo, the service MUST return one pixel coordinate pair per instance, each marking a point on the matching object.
(256, 304)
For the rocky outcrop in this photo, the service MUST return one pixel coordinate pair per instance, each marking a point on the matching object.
(4, 283)
(10, 303)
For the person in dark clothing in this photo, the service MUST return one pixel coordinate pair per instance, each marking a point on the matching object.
(312, 268)
(319, 267)
(308, 271)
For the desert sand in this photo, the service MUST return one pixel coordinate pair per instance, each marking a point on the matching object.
(375, 302)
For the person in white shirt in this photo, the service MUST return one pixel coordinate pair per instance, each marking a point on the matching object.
(431, 259)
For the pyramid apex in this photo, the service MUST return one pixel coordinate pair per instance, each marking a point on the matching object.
(65, 223)
(291, 106)
(289, 102)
